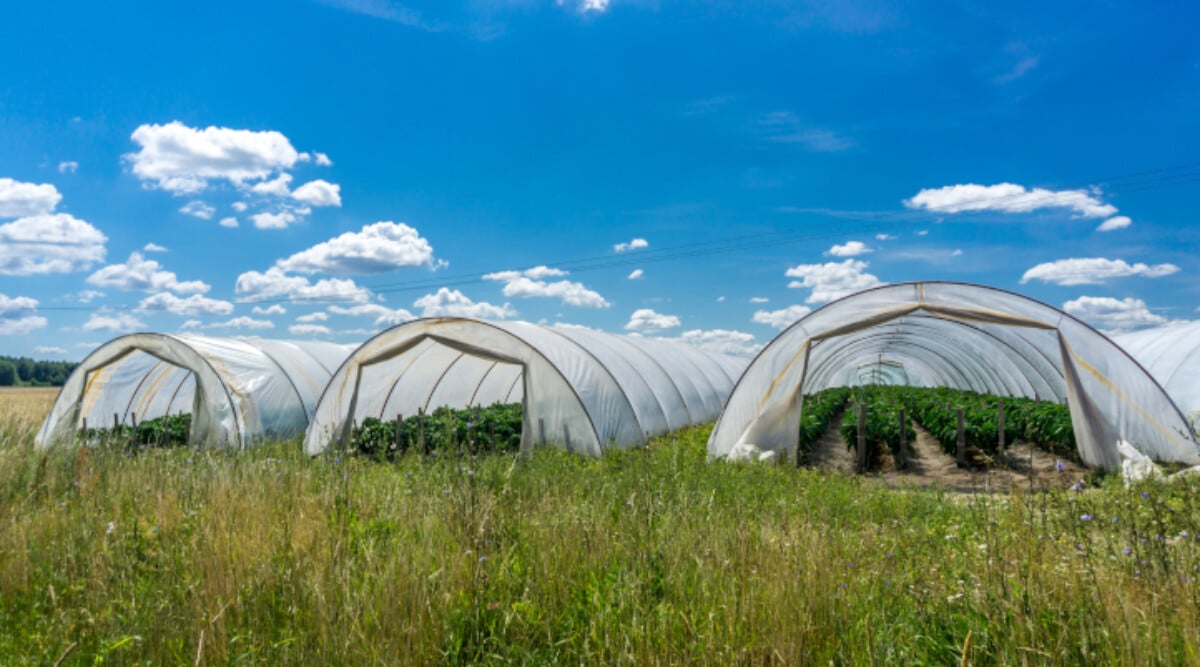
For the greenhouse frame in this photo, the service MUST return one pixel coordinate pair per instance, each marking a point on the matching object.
(1172, 355)
(582, 389)
(239, 391)
(963, 336)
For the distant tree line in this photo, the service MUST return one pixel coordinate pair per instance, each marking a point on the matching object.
(25, 372)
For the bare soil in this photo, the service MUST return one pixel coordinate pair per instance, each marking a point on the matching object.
(1021, 465)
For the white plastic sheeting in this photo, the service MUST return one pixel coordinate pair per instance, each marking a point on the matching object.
(961, 336)
(582, 389)
(238, 390)
(1172, 355)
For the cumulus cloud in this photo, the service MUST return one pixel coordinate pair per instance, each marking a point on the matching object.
(383, 315)
(645, 319)
(49, 243)
(68, 167)
(635, 244)
(759, 299)
(1114, 223)
(113, 322)
(1009, 198)
(239, 206)
(274, 220)
(17, 315)
(274, 283)
(1093, 271)
(850, 249)
(309, 330)
(528, 284)
(242, 322)
(230, 222)
(1113, 315)
(198, 209)
(832, 280)
(636, 274)
(382, 246)
(321, 159)
(277, 187)
(184, 160)
(192, 306)
(453, 303)
(50, 349)
(312, 317)
(87, 295)
(19, 200)
(723, 341)
(885, 237)
(318, 193)
(274, 309)
(585, 6)
(153, 247)
(781, 318)
(146, 275)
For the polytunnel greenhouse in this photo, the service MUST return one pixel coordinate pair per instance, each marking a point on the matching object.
(961, 336)
(237, 391)
(1172, 355)
(581, 389)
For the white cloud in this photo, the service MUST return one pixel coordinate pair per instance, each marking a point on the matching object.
(1009, 198)
(785, 127)
(191, 324)
(636, 274)
(382, 246)
(721, 299)
(759, 299)
(645, 319)
(87, 295)
(274, 309)
(1093, 271)
(781, 318)
(50, 349)
(312, 317)
(1113, 315)
(1114, 223)
(453, 303)
(319, 193)
(240, 206)
(49, 243)
(153, 247)
(321, 159)
(635, 244)
(309, 330)
(242, 322)
(230, 222)
(183, 160)
(585, 6)
(68, 167)
(276, 187)
(256, 286)
(19, 200)
(832, 280)
(113, 322)
(383, 315)
(198, 209)
(850, 249)
(723, 341)
(192, 306)
(885, 237)
(922, 232)
(147, 275)
(276, 220)
(931, 255)
(17, 315)
(528, 284)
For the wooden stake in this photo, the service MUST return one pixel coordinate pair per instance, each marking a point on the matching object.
(862, 437)
(399, 431)
(962, 438)
(421, 431)
(902, 453)
(1000, 424)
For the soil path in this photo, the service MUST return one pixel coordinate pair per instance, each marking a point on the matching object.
(1022, 465)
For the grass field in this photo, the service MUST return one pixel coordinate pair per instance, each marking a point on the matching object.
(653, 556)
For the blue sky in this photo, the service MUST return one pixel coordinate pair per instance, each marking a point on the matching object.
(708, 171)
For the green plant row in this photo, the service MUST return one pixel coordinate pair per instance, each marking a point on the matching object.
(1045, 424)
(496, 428)
(882, 419)
(817, 411)
(165, 431)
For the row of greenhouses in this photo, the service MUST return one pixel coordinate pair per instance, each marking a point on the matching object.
(587, 391)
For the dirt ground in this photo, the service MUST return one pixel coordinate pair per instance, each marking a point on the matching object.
(1022, 465)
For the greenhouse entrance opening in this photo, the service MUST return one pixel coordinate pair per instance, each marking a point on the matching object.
(139, 389)
(439, 395)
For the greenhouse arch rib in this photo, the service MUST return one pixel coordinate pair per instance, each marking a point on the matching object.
(1111, 396)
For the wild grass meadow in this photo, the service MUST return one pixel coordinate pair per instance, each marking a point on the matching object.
(653, 556)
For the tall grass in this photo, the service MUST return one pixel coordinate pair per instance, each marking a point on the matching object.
(643, 557)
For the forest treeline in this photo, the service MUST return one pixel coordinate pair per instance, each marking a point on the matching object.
(26, 372)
